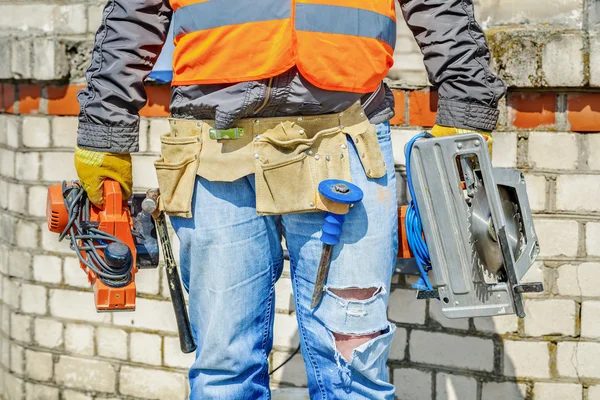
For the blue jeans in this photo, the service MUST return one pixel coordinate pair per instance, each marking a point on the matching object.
(231, 259)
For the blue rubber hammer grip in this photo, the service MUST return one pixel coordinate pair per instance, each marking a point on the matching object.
(330, 189)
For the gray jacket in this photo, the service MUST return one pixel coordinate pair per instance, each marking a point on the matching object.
(132, 33)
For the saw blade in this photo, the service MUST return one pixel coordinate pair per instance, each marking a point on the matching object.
(483, 235)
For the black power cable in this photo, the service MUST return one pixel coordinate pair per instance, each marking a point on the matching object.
(86, 238)
(286, 361)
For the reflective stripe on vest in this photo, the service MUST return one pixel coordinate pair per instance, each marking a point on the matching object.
(342, 45)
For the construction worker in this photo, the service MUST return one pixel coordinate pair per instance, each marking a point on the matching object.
(268, 98)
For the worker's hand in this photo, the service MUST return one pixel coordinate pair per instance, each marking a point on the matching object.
(93, 167)
(439, 131)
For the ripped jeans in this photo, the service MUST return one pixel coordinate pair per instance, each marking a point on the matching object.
(230, 260)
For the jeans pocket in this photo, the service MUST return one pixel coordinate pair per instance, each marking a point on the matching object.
(176, 173)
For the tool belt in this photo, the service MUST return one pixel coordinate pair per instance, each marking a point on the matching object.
(288, 155)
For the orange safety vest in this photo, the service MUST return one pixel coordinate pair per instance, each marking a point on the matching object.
(344, 45)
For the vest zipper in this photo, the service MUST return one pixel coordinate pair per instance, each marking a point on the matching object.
(267, 97)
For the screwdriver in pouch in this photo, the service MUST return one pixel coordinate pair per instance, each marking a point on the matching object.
(343, 193)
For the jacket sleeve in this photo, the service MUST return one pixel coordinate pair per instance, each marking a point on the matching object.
(127, 45)
(456, 58)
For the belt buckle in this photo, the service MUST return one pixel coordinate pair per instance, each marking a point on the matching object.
(226, 134)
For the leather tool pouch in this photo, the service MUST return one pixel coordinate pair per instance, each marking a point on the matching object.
(291, 160)
(176, 171)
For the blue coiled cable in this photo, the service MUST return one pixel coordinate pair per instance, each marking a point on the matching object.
(414, 227)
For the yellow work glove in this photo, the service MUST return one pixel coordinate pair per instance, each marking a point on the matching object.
(439, 131)
(93, 167)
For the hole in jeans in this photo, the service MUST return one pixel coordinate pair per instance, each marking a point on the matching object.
(344, 343)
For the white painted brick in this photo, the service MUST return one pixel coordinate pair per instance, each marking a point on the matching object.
(399, 343)
(592, 239)
(452, 351)
(111, 343)
(557, 391)
(593, 142)
(553, 150)
(19, 264)
(86, 374)
(174, 357)
(412, 384)
(594, 392)
(3, 261)
(578, 359)
(48, 333)
(22, 58)
(570, 190)
(292, 373)
(27, 235)
(152, 384)
(503, 391)
(20, 327)
(578, 280)
(58, 166)
(47, 269)
(149, 314)
(71, 18)
(73, 395)
(590, 323)
(287, 393)
(284, 297)
(455, 387)
(526, 359)
(74, 275)
(14, 387)
(405, 307)
(11, 292)
(70, 304)
(27, 17)
(158, 127)
(79, 339)
(33, 299)
(37, 201)
(16, 359)
(49, 60)
(550, 317)
(17, 198)
(50, 243)
(557, 237)
(64, 132)
(41, 392)
(144, 174)
(536, 191)
(7, 163)
(13, 137)
(27, 166)
(3, 195)
(504, 151)
(147, 281)
(564, 13)
(36, 132)
(562, 61)
(94, 14)
(285, 332)
(5, 355)
(435, 312)
(38, 365)
(145, 348)
(143, 134)
(399, 139)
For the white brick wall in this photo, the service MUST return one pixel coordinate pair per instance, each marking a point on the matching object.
(526, 359)
(558, 391)
(412, 384)
(455, 387)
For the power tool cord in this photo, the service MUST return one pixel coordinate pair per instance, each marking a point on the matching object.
(85, 238)
(414, 227)
(286, 361)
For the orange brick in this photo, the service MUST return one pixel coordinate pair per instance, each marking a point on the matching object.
(583, 112)
(62, 100)
(532, 110)
(29, 99)
(7, 98)
(422, 107)
(400, 103)
(159, 98)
